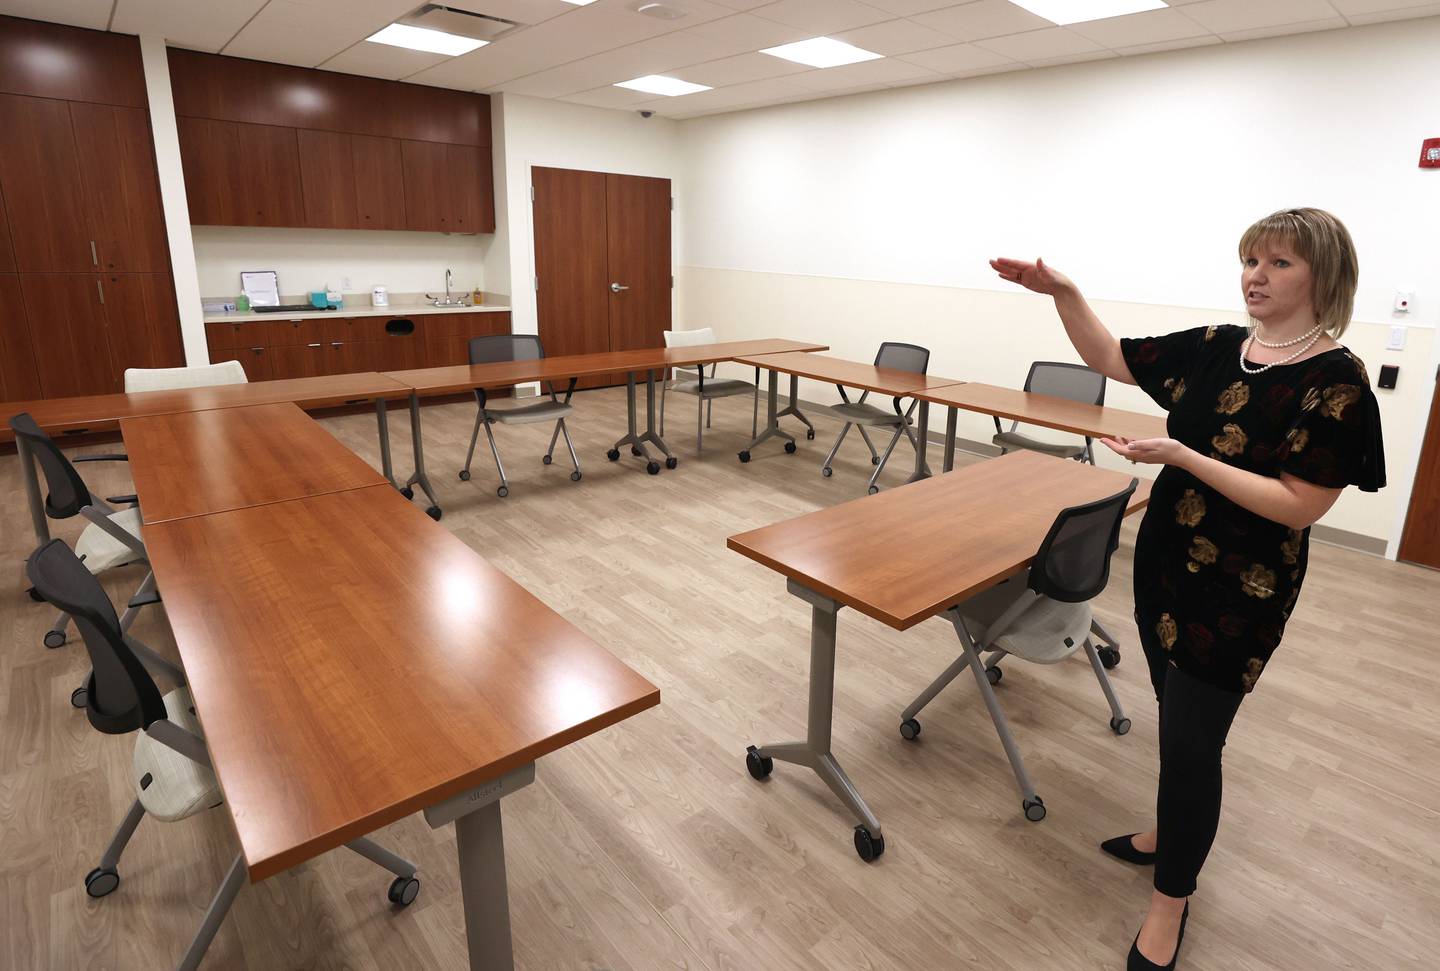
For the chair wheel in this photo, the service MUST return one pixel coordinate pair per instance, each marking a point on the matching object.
(408, 492)
(635, 451)
(672, 462)
(1109, 656)
(35, 595)
(403, 891)
(789, 448)
(759, 766)
(869, 847)
(827, 472)
(993, 675)
(652, 467)
(101, 882)
(1034, 809)
(910, 729)
(745, 456)
(54, 638)
(613, 455)
(502, 492)
(874, 460)
(810, 434)
(1120, 726)
(434, 513)
(873, 489)
(464, 475)
(547, 460)
(575, 476)
(80, 698)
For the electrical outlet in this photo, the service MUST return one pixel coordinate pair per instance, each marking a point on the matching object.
(1397, 338)
(345, 283)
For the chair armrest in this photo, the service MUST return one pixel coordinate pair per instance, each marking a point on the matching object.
(129, 500)
(109, 457)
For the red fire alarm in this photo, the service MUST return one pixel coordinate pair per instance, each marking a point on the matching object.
(1430, 153)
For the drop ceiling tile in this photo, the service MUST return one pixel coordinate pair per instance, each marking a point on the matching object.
(743, 4)
(1405, 13)
(907, 8)
(743, 34)
(655, 56)
(753, 92)
(820, 17)
(519, 11)
(609, 96)
(895, 37)
(957, 58)
(1099, 55)
(1205, 40)
(1281, 30)
(1037, 45)
(1228, 16)
(881, 72)
(381, 61)
(1347, 7)
(94, 14)
(739, 69)
(198, 26)
(981, 19)
(307, 32)
(1150, 27)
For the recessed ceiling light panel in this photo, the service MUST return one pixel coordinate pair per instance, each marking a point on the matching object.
(424, 39)
(822, 52)
(1064, 12)
(660, 84)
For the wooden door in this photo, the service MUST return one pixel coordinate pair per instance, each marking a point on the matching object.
(427, 183)
(327, 179)
(18, 381)
(122, 189)
(142, 322)
(572, 270)
(67, 327)
(638, 241)
(379, 182)
(1420, 540)
(40, 176)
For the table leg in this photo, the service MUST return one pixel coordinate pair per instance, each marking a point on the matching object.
(814, 753)
(950, 441)
(418, 477)
(32, 492)
(922, 445)
(772, 420)
(480, 846)
(382, 422)
(793, 408)
(633, 437)
(651, 435)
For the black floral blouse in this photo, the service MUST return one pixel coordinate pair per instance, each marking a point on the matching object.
(1214, 582)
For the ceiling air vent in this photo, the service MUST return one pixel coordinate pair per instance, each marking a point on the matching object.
(660, 11)
(453, 20)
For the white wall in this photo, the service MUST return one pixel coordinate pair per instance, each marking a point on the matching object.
(858, 219)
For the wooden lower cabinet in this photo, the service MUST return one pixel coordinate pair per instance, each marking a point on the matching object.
(255, 361)
(67, 334)
(143, 322)
(18, 380)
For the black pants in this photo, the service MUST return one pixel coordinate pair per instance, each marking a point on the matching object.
(1195, 717)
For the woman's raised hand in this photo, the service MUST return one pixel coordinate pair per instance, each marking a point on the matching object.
(1032, 276)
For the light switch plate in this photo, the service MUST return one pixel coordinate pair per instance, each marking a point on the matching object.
(1397, 338)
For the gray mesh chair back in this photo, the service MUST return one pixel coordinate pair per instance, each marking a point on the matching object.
(67, 491)
(505, 347)
(1073, 563)
(903, 357)
(1074, 382)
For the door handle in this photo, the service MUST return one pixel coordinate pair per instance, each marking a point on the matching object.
(94, 259)
(616, 288)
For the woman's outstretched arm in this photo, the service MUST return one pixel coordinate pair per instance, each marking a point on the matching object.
(1097, 346)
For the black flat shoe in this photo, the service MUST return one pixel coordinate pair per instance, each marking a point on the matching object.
(1123, 847)
(1139, 962)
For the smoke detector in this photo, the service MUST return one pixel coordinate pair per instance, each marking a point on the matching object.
(661, 11)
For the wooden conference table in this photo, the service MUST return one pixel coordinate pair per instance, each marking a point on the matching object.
(909, 554)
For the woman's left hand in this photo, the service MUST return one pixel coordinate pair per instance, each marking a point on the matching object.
(1161, 451)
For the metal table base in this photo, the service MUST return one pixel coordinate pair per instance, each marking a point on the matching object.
(418, 477)
(773, 414)
(922, 444)
(636, 439)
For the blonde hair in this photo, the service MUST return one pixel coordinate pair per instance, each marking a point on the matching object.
(1322, 241)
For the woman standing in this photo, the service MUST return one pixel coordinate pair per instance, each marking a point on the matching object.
(1268, 424)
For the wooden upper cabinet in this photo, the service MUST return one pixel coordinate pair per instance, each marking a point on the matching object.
(40, 177)
(471, 188)
(67, 315)
(426, 205)
(241, 175)
(379, 182)
(18, 381)
(51, 61)
(122, 190)
(327, 179)
(207, 151)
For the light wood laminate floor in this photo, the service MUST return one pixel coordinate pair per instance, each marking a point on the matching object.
(649, 847)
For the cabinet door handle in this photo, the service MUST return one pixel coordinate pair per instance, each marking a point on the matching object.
(258, 350)
(616, 288)
(337, 343)
(312, 345)
(100, 289)
(94, 258)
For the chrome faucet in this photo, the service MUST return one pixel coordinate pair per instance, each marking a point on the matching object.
(448, 300)
(447, 285)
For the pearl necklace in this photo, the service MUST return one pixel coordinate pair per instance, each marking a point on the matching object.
(1314, 336)
(1255, 332)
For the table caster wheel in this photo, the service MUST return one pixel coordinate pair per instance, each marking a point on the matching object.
(434, 513)
(403, 891)
(80, 698)
(869, 847)
(464, 475)
(1034, 809)
(810, 434)
(910, 729)
(613, 455)
(1109, 657)
(101, 882)
(408, 492)
(873, 489)
(575, 476)
(672, 462)
(54, 638)
(1120, 726)
(35, 595)
(993, 675)
(503, 491)
(827, 472)
(635, 451)
(789, 448)
(759, 766)
(652, 467)
(547, 460)
(745, 456)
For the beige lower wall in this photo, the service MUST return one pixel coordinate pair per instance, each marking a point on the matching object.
(992, 336)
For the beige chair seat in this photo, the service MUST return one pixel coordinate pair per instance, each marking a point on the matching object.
(1038, 633)
(100, 551)
(714, 388)
(177, 787)
(1064, 450)
(859, 413)
(546, 410)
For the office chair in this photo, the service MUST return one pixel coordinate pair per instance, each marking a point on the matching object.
(1041, 616)
(517, 347)
(706, 390)
(1074, 382)
(897, 357)
(167, 378)
(171, 768)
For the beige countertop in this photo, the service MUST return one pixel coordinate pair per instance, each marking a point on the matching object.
(413, 310)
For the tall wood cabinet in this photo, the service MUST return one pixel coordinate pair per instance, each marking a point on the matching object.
(85, 281)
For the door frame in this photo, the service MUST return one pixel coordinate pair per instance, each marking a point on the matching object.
(1412, 462)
